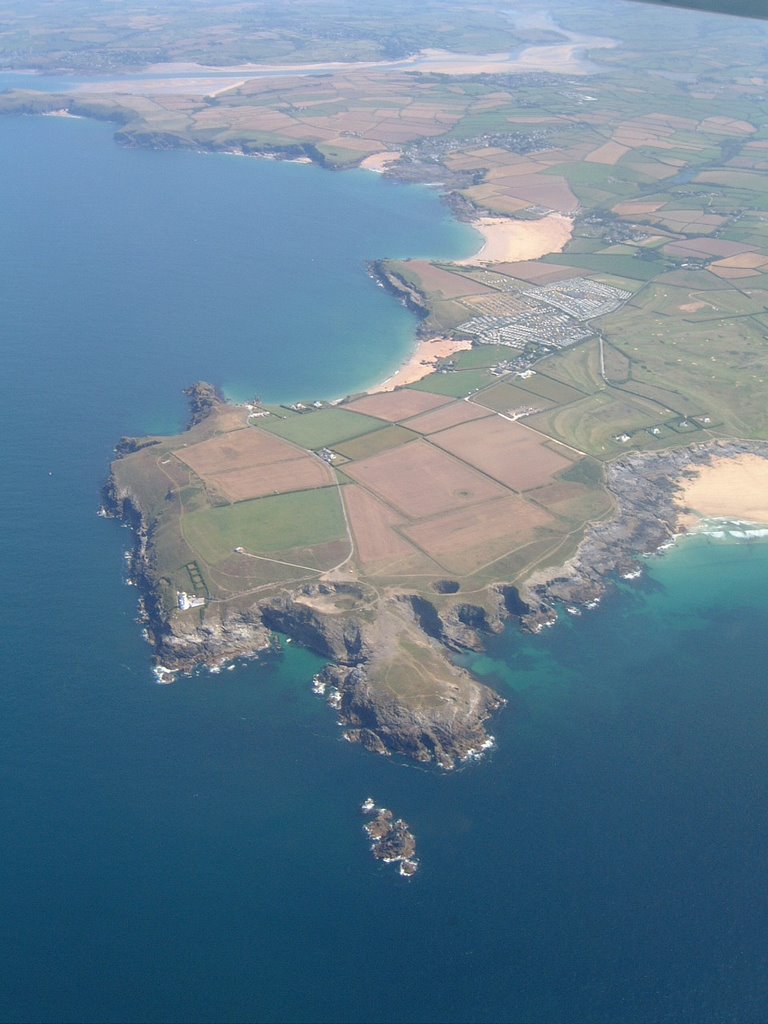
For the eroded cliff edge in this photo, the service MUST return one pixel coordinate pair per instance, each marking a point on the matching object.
(646, 487)
(392, 686)
(389, 678)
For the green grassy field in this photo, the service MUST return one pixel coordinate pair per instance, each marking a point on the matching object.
(617, 366)
(375, 442)
(266, 525)
(456, 384)
(320, 428)
(593, 424)
(623, 266)
(553, 390)
(445, 314)
(503, 396)
(579, 366)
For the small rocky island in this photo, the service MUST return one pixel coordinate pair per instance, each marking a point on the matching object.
(391, 838)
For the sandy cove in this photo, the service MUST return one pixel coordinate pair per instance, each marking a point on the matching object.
(730, 488)
(422, 362)
(506, 241)
(379, 162)
(510, 241)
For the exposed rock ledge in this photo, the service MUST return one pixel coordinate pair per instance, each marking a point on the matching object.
(647, 517)
(391, 838)
(442, 722)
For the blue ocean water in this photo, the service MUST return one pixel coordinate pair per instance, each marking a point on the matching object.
(194, 852)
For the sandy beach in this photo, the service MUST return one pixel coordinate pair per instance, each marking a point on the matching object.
(213, 86)
(565, 58)
(510, 241)
(422, 362)
(379, 162)
(729, 488)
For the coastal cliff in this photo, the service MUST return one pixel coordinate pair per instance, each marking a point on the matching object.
(410, 297)
(390, 679)
(648, 515)
(392, 686)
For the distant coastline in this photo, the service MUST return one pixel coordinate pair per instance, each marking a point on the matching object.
(652, 493)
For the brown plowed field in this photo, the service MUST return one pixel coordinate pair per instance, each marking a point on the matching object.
(467, 538)
(449, 416)
(420, 480)
(448, 285)
(506, 451)
(277, 478)
(397, 405)
(238, 449)
(702, 247)
(542, 189)
(376, 542)
(728, 273)
(249, 463)
(610, 153)
(743, 261)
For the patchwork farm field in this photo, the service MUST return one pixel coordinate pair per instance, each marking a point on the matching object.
(249, 464)
(267, 526)
(318, 428)
(492, 465)
(507, 452)
(421, 480)
(446, 416)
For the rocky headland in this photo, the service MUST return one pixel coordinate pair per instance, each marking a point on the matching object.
(436, 714)
(648, 515)
(389, 678)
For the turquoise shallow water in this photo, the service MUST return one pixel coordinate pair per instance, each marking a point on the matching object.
(195, 852)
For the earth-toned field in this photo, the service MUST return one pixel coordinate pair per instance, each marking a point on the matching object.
(429, 486)
(618, 303)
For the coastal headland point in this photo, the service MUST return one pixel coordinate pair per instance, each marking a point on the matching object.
(607, 342)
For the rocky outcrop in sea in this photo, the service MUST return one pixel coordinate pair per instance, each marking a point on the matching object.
(391, 838)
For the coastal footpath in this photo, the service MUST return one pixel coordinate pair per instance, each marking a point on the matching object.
(392, 688)
(390, 679)
(602, 352)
